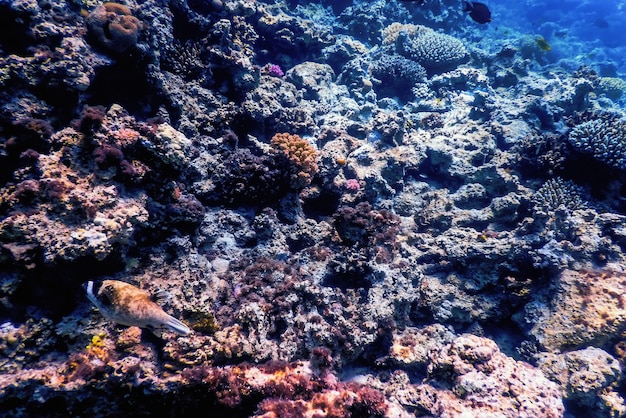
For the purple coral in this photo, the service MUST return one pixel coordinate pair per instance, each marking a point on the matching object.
(274, 70)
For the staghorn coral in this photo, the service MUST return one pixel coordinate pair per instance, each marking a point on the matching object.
(301, 156)
(114, 27)
(603, 138)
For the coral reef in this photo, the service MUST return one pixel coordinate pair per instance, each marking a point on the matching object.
(355, 208)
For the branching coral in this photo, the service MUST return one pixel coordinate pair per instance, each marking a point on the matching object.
(301, 155)
(397, 72)
(603, 138)
(556, 193)
(436, 52)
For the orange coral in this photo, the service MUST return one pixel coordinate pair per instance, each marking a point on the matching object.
(302, 158)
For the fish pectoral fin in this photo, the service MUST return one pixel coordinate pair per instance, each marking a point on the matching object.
(158, 332)
(161, 296)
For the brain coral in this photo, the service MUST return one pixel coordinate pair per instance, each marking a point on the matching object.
(604, 139)
(114, 27)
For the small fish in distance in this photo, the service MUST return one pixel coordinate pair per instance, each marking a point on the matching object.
(479, 12)
(129, 305)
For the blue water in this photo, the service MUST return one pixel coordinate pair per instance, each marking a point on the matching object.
(590, 32)
(579, 31)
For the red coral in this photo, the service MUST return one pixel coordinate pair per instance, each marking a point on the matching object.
(26, 190)
(287, 390)
(90, 119)
(56, 188)
(107, 155)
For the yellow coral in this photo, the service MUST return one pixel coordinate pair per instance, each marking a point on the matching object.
(302, 158)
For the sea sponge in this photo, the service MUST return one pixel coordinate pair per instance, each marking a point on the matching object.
(114, 27)
(603, 138)
(301, 155)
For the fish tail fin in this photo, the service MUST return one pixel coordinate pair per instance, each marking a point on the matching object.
(175, 325)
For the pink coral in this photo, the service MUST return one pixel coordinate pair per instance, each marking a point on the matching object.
(352, 185)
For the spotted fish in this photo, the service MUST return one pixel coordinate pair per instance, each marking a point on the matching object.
(129, 305)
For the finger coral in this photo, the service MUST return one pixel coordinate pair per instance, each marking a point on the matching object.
(301, 155)
(114, 27)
